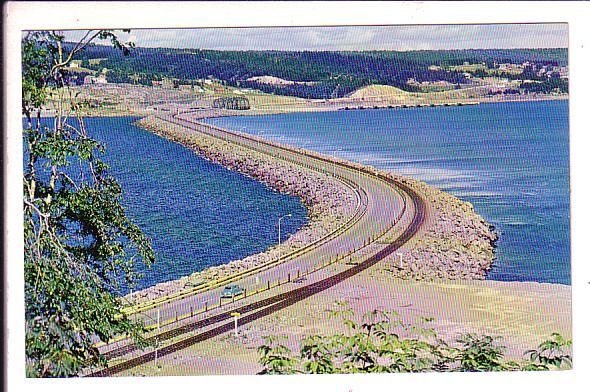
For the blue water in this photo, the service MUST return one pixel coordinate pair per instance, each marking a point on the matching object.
(511, 160)
(196, 213)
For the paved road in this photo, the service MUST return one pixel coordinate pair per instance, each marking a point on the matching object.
(380, 204)
(383, 206)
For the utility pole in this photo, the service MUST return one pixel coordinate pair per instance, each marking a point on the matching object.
(284, 216)
(157, 340)
(156, 356)
(158, 320)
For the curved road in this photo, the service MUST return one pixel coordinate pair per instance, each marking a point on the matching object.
(384, 207)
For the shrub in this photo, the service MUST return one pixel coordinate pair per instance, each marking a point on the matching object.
(381, 342)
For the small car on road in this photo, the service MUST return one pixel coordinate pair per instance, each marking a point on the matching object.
(232, 291)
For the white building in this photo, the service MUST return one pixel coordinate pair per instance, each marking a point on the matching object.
(101, 79)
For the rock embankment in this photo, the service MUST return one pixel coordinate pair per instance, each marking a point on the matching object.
(329, 202)
(456, 242)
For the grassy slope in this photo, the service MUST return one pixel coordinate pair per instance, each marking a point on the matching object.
(396, 95)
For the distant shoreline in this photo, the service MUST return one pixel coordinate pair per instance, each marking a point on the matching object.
(269, 104)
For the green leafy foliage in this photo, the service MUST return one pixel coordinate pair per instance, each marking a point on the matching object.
(79, 244)
(276, 357)
(480, 353)
(382, 343)
(552, 353)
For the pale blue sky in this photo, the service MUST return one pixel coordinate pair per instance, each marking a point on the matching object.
(356, 37)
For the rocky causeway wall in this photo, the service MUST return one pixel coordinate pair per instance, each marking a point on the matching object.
(455, 242)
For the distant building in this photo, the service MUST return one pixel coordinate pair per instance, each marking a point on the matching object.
(90, 79)
(167, 83)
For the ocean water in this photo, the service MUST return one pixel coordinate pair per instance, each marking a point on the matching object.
(511, 160)
(196, 213)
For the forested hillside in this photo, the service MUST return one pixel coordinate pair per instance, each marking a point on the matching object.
(332, 74)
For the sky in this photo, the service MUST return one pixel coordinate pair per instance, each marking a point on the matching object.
(407, 37)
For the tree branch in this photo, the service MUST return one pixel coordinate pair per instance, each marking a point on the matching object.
(79, 46)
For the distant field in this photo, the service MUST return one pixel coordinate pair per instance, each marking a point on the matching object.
(395, 95)
(468, 68)
(139, 100)
(489, 71)
(80, 70)
(258, 99)
(378, 90)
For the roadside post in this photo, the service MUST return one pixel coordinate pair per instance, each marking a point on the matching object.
(156, 354)
(235, 315)
(401, 260)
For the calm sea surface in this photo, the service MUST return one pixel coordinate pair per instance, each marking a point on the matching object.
(197, 214)
(511, 160)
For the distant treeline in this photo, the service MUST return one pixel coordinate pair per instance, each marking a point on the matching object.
(335, 73)
(545, 86)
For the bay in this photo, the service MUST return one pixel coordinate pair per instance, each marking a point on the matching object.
(510, 160)
(196, 213)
